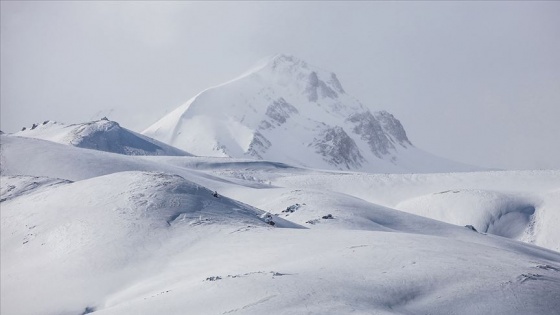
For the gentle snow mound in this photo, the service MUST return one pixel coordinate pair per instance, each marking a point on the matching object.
(103, 135)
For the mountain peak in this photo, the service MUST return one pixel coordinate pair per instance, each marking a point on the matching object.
(297, 76)
(286, 60)
(289, 111)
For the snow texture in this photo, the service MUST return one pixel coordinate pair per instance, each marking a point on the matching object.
(85, 231)
(299, 203)
(103, 135)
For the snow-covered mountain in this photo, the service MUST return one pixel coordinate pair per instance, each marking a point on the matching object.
(103, 135)
(287, 110)
(155, 230)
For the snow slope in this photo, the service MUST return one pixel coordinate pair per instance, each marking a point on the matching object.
(14, 186)
(288, 111)
(514, 204)
(89, 231)
(103, 135)
(107, 227)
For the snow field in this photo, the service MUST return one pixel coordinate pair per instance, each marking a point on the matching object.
(144, 235)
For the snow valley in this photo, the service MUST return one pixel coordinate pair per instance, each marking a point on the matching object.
(277, 193)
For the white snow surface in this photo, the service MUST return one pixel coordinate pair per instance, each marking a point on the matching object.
(287, 110)
(90, 231)
(103, 135)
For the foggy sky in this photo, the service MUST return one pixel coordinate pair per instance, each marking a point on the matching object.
(476, 82)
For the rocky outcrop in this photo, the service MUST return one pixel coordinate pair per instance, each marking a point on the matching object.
(259, 145)
(279, 111)
(393, 128)
(338, 149)
(316, 88)
(371, 131)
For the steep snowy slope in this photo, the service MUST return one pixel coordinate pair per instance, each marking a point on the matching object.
(103, 135)
(289, 111)
(137, 242)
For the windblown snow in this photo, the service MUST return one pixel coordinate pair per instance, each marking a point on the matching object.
(87, 231)
(289, 111)
(104, 135)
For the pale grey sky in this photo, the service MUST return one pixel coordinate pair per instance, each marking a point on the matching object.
(476, 82)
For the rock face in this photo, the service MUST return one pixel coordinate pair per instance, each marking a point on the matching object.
(337, 148)
(289, 111)
(278, 112)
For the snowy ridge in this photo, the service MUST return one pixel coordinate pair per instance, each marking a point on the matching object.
(514, 204)
(16, 186)
(90, 231)
(289, 111)
(103, 135)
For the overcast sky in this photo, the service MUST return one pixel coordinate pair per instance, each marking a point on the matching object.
(476, 82)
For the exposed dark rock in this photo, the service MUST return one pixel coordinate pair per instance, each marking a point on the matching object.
(292, 208)
(371, 131)
(268, 219)
(392, 127)
(337, 148)
(333, 81)
(259, 145)
(316, 88)
(279, 111)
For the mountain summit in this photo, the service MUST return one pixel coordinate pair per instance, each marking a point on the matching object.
(286, 110)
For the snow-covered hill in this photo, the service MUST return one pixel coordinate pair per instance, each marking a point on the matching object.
(515, 204)
(89, 231)
(289, 111)
(103, 135)
(522, 205)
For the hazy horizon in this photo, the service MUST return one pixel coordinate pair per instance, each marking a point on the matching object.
(474, 82)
